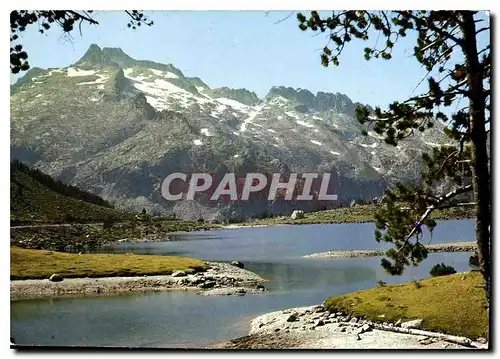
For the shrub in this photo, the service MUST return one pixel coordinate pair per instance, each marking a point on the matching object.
(441, 269)
(474, 261)
(381, 283)
(108, 223)
(70, 218)
(417, 284)
(201, 220)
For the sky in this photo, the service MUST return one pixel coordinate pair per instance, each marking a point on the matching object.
(239, 49)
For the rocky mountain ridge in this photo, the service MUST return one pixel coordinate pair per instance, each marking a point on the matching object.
(117, 127)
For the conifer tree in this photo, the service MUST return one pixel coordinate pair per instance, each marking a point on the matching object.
(441, 37)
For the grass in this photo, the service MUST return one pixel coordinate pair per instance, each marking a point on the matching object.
(446, 304)
(39, 264)
(355, 214)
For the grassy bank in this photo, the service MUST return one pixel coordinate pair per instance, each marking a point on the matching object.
(38, 264)
(447, 304)
(355, 214)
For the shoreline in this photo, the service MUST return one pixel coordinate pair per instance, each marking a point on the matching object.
(431, 248)
(219, 279)
(314, 327)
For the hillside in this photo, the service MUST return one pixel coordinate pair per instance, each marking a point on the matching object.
(36, 197)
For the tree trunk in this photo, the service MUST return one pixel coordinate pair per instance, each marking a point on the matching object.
(445, 337)
(479, 160)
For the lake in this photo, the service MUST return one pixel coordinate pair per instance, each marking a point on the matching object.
(179, 319)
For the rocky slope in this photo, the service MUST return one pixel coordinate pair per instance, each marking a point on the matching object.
(117, 127)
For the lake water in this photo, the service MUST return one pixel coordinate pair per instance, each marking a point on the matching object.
(179, 319)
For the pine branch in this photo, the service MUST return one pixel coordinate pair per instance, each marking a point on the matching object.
(432, 27)
(431, 208)
(86, 18)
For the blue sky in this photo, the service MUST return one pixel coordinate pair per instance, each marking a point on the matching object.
(237, 49)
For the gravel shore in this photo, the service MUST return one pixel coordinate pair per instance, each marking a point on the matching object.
(219, 279)
(316, 328)
(442, 247)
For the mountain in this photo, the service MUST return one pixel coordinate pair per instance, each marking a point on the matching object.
(37, 197)
(117, 126)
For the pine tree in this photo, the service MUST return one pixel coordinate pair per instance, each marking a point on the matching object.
(439, 35)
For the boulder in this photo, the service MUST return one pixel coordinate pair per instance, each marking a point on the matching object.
(55, 278)
(179, 273)
(292, 318)
(319, 309)
(319, 323)
(412, 324)
(365, 328)
(207, 284)
(297, 214)
(398, 323)
(237, 264)
(481, 340)
(195, 280)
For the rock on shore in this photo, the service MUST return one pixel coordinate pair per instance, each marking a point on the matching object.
(219, 279)
(316, 328)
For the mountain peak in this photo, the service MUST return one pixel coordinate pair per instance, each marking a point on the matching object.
(94, 57)
(241, 95)
(117, 55)
(320, 101)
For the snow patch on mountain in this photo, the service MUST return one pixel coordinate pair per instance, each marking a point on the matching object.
(234, 104)
(373, 145)
(251, 117)
(305, 124)
(74, 72)
(375, 135)
(197, 142)
(433, 144)
(206, 132)
(101, 79)
(278, 101)
(316, 142)
(166, 74)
